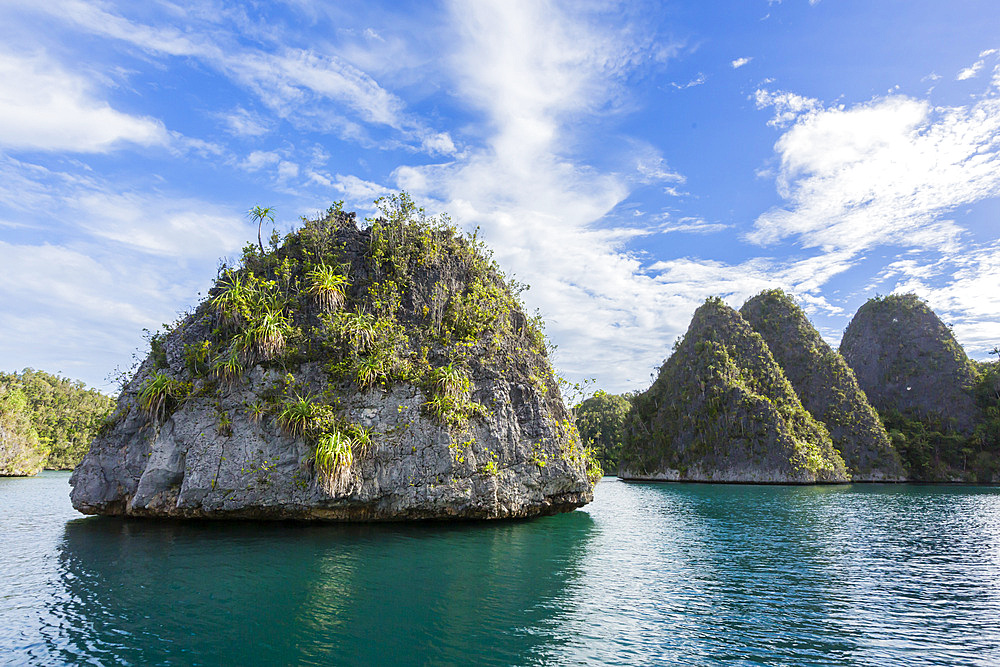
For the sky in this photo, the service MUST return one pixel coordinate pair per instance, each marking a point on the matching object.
(625, 159)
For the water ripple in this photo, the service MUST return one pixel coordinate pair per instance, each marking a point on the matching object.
(647, 574)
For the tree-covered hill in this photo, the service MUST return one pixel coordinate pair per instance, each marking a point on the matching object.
(65, 414)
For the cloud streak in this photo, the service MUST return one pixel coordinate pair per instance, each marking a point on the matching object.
(44, 107)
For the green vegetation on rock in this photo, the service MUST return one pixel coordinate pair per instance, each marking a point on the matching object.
(933, 400)
(65, 414)
(826, 386)
(316, 340)
(721, 409)
(600, 420)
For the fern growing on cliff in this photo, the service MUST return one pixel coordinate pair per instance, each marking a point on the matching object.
(327, 287)
(160, 394)
(297, 415)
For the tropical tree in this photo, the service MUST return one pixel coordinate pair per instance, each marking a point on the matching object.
(258, 214)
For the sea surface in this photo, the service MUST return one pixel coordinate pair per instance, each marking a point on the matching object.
(647, 574)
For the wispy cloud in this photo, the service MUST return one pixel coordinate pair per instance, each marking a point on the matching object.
(297, 84)
(787, 106)
(973, 70)
(45, 107)
(697, 81)
(884, 172)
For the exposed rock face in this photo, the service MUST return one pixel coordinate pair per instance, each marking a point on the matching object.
(424, 365)
(907, 361)
(826, 386)
(721, 410)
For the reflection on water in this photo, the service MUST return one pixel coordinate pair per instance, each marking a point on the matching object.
(647, 574)
(149, 592)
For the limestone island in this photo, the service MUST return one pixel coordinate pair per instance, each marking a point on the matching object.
(349, 373)
(758, 396)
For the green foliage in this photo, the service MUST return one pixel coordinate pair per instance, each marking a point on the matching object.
(593, 465)
(600, 420)
(161, 395)
(65, 413)
(227, 367)
(449, 380)
(327, 286)
(21, 451)
(933, 451)
(296, 415)
(333, 452)
(259, 214)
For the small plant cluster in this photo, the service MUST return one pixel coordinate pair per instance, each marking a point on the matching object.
(161, 394)
(336, 443)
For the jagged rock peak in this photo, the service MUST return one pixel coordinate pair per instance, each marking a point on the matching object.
(826, 386)
(722, 410)
(907, 361)
(377, 373)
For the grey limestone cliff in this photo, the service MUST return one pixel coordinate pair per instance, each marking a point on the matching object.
(380, 373)
(907, 361)
(826, 386)
(721, 410)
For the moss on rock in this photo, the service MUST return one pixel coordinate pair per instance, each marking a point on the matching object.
(826, 386)
(380, 372)
(722, 410)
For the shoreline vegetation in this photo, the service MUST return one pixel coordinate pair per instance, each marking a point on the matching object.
(47, 421)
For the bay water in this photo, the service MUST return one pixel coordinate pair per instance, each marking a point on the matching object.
(646, 574)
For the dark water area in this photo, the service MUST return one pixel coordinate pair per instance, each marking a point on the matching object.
(647, 574)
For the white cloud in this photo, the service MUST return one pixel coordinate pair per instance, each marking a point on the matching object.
(160, 226)
(740, 62)
(970, 71)
(287, 170)
(692, 226)
(44, 107)
(257, 160)
(787, 106)
(973, 70)
(126, 260)
(298, 84)
(697, 81)
(883, 172)
(653, 168)
(358, 192)
(964, 290)
(245, 124)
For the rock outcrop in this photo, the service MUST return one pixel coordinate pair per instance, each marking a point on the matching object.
(907, 361)
(382, 373)
(721, 410)
(924, 387)
(826, 386)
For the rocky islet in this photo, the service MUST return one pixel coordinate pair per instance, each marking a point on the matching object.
(382, 372)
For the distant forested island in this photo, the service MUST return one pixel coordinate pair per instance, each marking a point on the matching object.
(47, 421)
(757, 395)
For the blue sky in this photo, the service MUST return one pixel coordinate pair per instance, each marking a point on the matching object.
(626, 160)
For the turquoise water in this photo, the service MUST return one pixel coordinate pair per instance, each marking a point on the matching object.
(647, 574)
